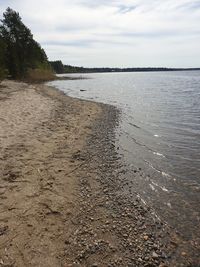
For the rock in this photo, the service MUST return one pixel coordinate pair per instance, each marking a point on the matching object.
(2, 191)
(146, 237)
(155, 255)
(3, 230)
(183, 253)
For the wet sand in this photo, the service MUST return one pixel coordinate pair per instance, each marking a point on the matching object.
(62, 198)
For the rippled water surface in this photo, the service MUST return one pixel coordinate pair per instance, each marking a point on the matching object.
(159, 132)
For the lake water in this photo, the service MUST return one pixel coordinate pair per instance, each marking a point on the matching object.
(159, 132)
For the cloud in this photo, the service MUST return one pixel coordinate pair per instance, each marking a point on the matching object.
(193, 5)
(126, 9)
(126, 33)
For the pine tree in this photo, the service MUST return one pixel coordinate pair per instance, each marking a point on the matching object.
(22, 51)
(2, 58)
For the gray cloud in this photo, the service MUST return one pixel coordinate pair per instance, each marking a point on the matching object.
(115, 32)
(126, 9)
(193, 5)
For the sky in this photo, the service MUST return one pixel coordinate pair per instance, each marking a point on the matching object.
(114, 33)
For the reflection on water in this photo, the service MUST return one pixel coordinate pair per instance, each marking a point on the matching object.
(159, 132)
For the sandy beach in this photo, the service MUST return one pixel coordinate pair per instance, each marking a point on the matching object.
(62, 197)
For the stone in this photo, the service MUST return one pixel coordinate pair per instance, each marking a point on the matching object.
(155, 255)
(183, 253)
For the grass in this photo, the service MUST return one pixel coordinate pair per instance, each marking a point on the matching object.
(39, 75)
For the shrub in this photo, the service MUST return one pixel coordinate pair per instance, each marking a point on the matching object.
(3, 73)
(39, 75)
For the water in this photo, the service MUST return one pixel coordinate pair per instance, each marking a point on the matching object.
(160, 133)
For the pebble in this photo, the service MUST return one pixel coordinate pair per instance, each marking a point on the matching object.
(127, 219)
(183, 253)
(155, 255)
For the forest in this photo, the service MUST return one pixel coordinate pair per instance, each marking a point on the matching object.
(21, 57)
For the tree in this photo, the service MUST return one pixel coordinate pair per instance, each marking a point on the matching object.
(22, 51)
(57, 66)
(2, 58)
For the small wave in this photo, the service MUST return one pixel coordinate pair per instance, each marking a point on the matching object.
(152, 187)
(135, 141)
(143, 201)
(153, 213)
(155, 183)
(163, 188)
(152, 166)
(165, 174)
(134, 125)
(158, 154)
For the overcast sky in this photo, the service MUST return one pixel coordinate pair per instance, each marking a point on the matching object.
(121, 33)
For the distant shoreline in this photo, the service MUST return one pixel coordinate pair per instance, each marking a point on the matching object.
(61, 68)
(124, 71)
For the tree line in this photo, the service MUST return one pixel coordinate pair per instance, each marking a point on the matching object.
(59, 68)
(20, 54)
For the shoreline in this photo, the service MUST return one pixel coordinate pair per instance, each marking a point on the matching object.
(61, 190)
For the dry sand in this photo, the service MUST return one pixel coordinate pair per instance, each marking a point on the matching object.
(61, 197)
(39, 134)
